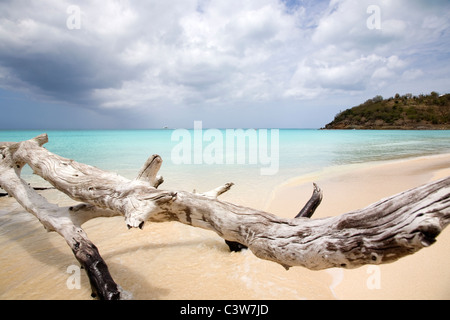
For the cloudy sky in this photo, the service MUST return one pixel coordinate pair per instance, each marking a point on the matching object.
(230, 63)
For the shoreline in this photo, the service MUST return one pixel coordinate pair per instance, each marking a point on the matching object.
(432, 166)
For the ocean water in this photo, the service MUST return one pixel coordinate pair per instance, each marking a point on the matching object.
(172, 260)
(213, 157)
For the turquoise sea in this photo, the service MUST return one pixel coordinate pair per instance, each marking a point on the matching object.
(290, 153)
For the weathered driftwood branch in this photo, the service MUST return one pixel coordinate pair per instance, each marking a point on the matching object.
(311, 206)
(306, 212)
(381, 233)
(149, 171)
(66, 221)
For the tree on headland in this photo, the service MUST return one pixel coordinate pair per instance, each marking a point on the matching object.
(399, 112)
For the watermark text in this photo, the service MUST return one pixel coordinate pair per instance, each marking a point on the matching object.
(74, 280)
(73, 21)
(373, 22)
(230, 146)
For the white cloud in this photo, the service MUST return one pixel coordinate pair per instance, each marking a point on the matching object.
(189, 53)
(227, 51)
(348, 56)
(351, 75)
(412, 74)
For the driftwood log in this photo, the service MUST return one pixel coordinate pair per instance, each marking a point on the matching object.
(380, 233)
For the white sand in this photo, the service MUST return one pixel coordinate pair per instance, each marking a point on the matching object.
(424, 275)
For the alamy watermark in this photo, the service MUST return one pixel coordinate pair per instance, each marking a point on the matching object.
(374, 279)
(73, 21)
(229, 146)
(373, 22)
(74, 280)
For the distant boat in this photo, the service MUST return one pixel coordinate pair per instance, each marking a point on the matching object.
(165, 127)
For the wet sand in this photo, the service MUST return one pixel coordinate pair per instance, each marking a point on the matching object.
(175, 261)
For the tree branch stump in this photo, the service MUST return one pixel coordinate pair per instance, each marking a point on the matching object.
(380, 233)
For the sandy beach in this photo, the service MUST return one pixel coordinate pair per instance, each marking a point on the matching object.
(424, 275)
(174, 261)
